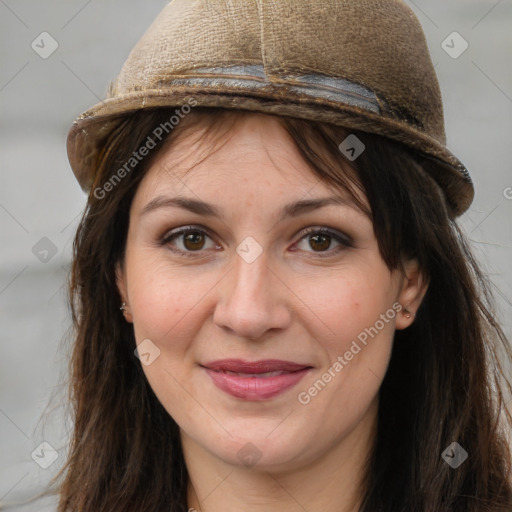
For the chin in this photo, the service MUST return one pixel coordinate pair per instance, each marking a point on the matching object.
(261, 447)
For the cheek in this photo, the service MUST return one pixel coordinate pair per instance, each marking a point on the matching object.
(355, 325)
(345, 306)
(166, 306)
(162, 300)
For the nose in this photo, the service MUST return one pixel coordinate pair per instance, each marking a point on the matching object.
(253, 300)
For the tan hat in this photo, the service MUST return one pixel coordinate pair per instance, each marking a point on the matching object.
(361, 64)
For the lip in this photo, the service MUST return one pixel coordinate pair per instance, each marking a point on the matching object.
(254, 383)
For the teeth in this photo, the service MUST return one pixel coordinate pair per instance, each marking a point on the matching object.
(260, 375)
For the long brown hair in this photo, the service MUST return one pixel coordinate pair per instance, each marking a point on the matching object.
(445, 381)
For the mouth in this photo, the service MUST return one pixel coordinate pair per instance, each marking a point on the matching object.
(257, 380)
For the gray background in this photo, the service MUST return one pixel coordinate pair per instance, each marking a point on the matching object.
(39, 196)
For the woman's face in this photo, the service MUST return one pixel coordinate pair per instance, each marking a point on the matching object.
(263, 282)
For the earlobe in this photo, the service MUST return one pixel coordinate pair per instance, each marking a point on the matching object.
(414, 288)
(121, 286)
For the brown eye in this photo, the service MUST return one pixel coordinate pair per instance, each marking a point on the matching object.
(188, 240)
(193, 240)
(320, 242)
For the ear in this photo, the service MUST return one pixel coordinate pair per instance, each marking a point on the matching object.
(414, 288)
(121, 286)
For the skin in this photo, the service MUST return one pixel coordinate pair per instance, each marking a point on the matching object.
(289, 303)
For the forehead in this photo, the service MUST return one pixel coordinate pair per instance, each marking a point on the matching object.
(252, 150)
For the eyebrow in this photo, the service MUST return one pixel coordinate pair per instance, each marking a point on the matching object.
(202, 208)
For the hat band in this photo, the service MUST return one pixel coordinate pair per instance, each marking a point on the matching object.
(313, 85)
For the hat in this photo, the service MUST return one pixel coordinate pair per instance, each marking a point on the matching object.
(360, 64)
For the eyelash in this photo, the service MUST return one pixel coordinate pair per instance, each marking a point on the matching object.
(344, 240)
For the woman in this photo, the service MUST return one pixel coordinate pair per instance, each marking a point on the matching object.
(274, 306)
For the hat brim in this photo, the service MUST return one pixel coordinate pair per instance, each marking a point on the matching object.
(89, 132)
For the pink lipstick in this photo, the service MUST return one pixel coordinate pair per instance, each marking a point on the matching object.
(256, 380)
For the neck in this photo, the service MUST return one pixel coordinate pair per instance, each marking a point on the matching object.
(329, 483)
